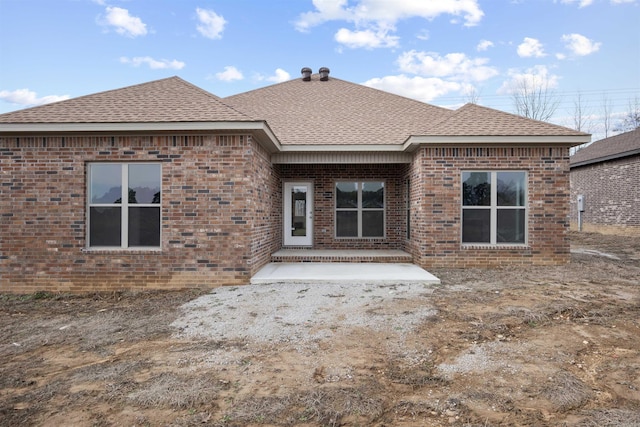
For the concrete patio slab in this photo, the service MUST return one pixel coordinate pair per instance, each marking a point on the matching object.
(317, 272)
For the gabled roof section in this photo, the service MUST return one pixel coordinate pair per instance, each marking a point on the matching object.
(336, 113)
(161, 101)
(476, 120)
(614, 147)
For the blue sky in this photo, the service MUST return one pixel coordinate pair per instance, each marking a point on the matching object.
(437, 51)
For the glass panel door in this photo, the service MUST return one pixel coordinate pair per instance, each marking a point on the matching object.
(298, 214)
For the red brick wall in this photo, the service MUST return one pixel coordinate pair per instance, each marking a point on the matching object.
(265, 202)
(206, 223)
(436, 219)
(612, 195)
(324, 178)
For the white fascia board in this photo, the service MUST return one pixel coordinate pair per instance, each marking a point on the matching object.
(128, 127)
(325, 148)
(412, 142)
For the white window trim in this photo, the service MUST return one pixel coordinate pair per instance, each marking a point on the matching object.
(493, 208)
(124, 209)
(360, 209)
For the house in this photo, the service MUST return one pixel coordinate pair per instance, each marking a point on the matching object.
(606, 174)
(164, 185)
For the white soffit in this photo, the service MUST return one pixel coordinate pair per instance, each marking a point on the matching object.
(341, 157)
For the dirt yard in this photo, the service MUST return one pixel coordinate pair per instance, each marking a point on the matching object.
(556, 346)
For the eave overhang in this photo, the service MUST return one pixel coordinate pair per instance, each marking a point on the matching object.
(259, 129)
(569, 140)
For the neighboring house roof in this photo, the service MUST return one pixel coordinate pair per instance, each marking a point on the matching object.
(167, 100)
(614, 147)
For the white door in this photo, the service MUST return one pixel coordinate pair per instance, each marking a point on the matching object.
(298, 214)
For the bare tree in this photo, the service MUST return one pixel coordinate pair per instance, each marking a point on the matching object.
(606, 114)
(581, 114)
(533, 98)
(631, 120)
(471, 95)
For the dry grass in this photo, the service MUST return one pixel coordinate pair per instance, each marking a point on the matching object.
(170, 390)
(567, 392)
(610, 418)
(324, 406)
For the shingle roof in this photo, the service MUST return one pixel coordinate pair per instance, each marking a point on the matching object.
(333, 112)
(476, 120)
(622, 145)
(167, 100)
(336, 112)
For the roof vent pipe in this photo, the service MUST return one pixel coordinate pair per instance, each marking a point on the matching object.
(306, 74)
(324, 74)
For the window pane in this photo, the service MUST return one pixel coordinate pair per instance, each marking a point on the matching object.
(144, 227)
(511, 227)
(373, 195)
(347, 224)
(476, 189)
(299, 211)
(511, 188)
(372, 223)
(476, 226)
(106, 183)
(105, 226)
(346, 195)
(144, 183)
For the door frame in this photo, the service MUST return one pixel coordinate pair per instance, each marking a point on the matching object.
(288, 239)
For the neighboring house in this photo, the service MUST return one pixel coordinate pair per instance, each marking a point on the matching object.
(164, 185)
(607, 175)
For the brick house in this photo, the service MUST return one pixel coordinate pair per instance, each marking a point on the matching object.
(606, 173)
(164, 185)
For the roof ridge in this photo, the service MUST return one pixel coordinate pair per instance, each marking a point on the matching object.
(213, 95)
(75, 98)
(386, 93)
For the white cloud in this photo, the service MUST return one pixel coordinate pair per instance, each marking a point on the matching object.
(622, 1)
(229, 74)
(579, 45)
(484, 45)
(530, 47)
(421, 88)
(532, 77)
(367, 39)
(455, 66)
(279, 76)
(581, 3)
(374, 20)
(154, 64)
(124, 23)
(29, 97)
(211, 24)
(367, 11)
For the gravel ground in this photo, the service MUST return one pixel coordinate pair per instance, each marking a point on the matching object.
(302, 313)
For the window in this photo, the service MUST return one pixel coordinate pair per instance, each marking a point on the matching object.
(494, 207)
(124, 205)
(360, 209)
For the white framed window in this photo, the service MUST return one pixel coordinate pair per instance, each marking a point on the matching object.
(360, 209)
(494, 207)
(124, 205)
